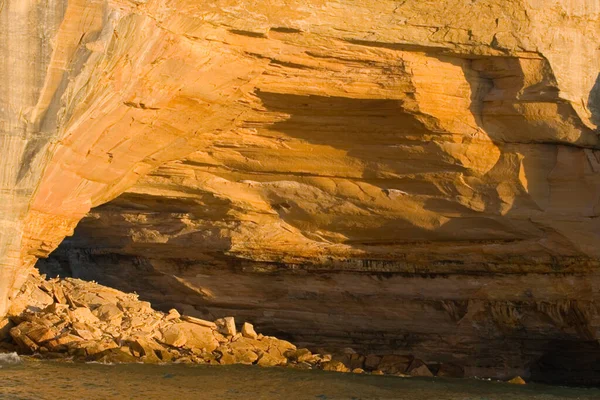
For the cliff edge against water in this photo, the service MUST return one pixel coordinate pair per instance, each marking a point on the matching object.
(410, 176)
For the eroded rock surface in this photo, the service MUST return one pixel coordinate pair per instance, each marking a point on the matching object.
(85, 321)
(428, 170)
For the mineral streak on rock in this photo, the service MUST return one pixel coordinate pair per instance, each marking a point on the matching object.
(361, 139)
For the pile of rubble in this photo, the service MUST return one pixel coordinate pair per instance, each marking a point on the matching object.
(91, 322)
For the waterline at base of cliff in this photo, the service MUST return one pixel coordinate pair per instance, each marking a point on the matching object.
(76, 320)
(62, 380)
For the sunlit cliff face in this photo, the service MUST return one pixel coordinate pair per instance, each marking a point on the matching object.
(237, 141)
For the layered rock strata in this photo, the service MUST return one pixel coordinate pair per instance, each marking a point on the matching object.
(446, 122)
(449, 148)
(540, 325)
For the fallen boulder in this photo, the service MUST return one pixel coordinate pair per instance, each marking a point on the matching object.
(517, 380)
(226, 326)
(394, 364)
(419, 368)
(335, 366)
(248, 331)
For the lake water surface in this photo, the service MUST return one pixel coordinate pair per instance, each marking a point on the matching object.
(32, 379)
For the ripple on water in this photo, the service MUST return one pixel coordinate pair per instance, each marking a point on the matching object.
(59, 380)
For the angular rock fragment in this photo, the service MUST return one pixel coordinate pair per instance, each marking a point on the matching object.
(82, 314)
(336, 366)
(5, 326)
(109, 313)
(86, 331)
(145, 349)
(517, 380)
(419, 368)
(173, 336)
(243, 354)
(173, 314)
(271, 360)
(115, 355)
(56, 308)
(40, 334)
(299, 355)
(226, 326)
(22, 340)
(63, 342)
(93, 347)
(248, 331)
(197, 321)
(372, 362)
(394, 364)
(198, 336)
(451, 371)
(355, 361)
(59, 294)
(135, 306)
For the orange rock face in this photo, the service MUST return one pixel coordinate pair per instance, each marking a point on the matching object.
(413, 137)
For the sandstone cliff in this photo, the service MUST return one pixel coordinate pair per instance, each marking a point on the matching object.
(418, 174)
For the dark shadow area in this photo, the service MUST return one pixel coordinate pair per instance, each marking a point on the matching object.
(570, 362)
(397, 150)
(593, 103)
(378, 132)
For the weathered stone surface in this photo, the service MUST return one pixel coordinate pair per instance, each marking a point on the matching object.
(355, 361)
(197, 321)
(299, 355)
(394, 364)
(86, 331)
(226, 326)
(173, 314)
(109, 313)
(271, 360)
(145, 349)
(239, 354)
(419, 368)
(248, 331)
(173, 336)
(517, 380)
(336, 366)
(131, 306)
(83, 315)
(64, 342)
(95, 347)
(41, 334)
(198, 336)
(372, 362)
(5, 326)
(451, 371)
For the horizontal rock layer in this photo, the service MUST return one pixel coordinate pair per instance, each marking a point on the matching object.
(491, 324)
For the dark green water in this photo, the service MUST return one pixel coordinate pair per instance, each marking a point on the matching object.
(59, 380)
